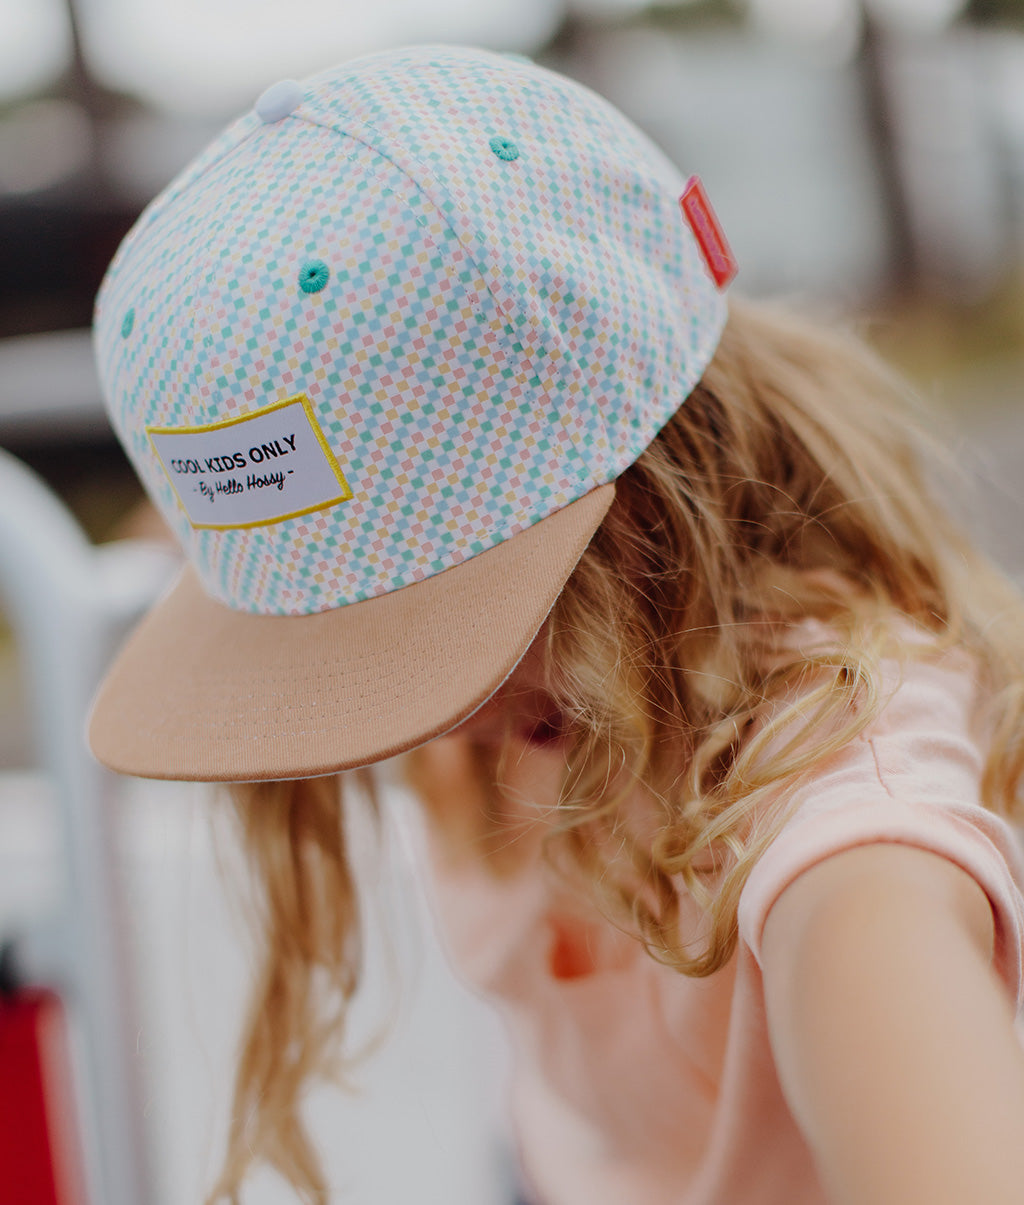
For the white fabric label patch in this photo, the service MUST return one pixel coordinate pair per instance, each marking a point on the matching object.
(250, 471)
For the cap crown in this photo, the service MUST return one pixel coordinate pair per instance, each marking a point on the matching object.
(474, 274)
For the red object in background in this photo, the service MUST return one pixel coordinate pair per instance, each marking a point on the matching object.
(40, 1162)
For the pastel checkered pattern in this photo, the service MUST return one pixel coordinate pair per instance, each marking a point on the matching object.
(497, 336)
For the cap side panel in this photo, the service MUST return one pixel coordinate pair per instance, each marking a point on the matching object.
(587, 201)
(546, 359)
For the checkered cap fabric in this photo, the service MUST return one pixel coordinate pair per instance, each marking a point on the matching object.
(502, 306)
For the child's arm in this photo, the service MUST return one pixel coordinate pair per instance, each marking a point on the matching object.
(892, 1035)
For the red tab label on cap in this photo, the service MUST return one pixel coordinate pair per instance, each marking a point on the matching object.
(707, 230)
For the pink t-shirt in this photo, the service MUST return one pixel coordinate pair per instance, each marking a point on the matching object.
(635, 1085)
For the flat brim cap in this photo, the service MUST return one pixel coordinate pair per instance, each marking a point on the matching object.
(204, 692)
(376, 356)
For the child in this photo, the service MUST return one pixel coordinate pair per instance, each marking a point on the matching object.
(711, 709)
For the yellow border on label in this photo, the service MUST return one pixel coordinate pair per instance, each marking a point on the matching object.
(332, 461)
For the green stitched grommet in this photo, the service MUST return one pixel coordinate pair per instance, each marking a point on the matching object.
(313, 276)
(128, 322)
(504, 148)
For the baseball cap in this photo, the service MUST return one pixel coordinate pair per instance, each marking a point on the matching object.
(378, 356)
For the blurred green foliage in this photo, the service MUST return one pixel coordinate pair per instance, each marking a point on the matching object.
(935, 342)
(693, 13)
(689, 13)
(996, 12)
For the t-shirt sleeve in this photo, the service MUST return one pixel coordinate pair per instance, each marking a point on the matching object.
(913, 778)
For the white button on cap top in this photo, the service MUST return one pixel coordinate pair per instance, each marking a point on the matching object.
(279, 100)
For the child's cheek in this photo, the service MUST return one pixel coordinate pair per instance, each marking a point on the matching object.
(533, 778)
(449, 781)
(469, 817)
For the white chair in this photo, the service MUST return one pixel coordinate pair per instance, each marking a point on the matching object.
(68, 602)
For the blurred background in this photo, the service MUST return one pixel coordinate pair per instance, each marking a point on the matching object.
(866, 158)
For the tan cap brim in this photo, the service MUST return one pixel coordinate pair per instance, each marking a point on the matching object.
(206, 693)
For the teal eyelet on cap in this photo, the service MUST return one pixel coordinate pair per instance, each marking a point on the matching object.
(504, 148)
(313, 276)
(128, 322)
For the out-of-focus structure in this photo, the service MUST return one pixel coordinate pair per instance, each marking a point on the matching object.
(856, 149)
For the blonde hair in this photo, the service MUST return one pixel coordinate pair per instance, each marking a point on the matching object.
(788, 488)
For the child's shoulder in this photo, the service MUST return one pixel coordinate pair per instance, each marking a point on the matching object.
(913, 776)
